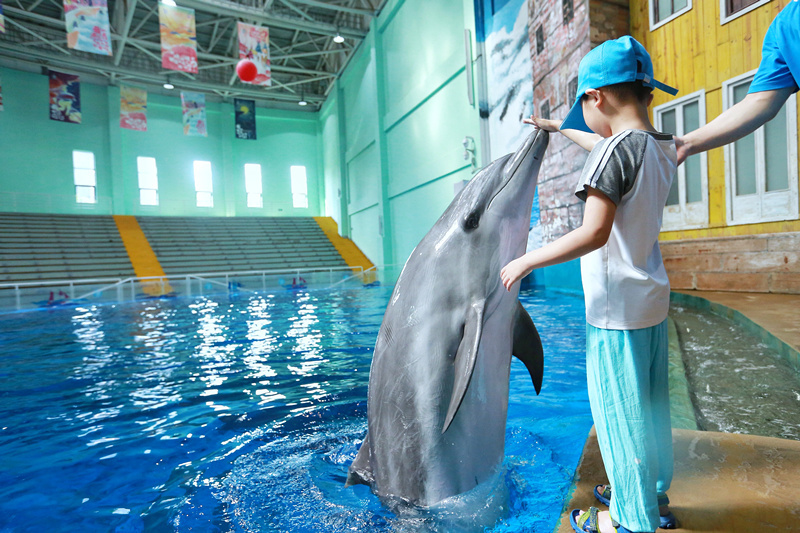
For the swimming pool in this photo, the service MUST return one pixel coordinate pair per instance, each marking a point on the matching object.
(242, 414)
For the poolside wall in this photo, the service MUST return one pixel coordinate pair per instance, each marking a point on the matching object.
(392, 127)
(36, 174)
(697, 51)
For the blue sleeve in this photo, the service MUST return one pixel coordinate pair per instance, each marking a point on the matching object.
(779, 55)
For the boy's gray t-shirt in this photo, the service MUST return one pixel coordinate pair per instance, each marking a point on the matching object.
(624, 282)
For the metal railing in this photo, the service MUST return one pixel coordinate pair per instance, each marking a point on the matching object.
(43, 294)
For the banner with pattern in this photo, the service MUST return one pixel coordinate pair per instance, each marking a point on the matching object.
(178, 38)
(132, 108)
(87, 26)
(194, 114)
(65, 97)
(245, 111)
(254, 45)
(2, 19)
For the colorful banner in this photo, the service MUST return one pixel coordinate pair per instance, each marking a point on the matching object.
(87, 26)
(2, 19)
(194, 114)
(178, 39)
(245, 111)
(65, 97)
(132, 108)
(254, 45)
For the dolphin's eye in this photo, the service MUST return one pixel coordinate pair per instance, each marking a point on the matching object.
(472, 221)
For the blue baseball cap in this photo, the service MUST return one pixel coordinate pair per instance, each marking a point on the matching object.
(618, 61)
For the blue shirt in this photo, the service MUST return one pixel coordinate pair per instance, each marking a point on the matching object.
(780, 55)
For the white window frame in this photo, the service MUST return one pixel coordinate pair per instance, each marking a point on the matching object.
(725, 19)
(79, 182)
(255, 197)
(683, 215)
(756, 208)
(657, 24)
(200, 193)
(144, 190)
(299, 194)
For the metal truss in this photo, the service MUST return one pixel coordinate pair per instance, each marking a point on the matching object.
(304, 56)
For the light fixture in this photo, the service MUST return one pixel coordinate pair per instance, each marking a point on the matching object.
(169, 86)
(338, 39)
(168, 3)
(302, 102)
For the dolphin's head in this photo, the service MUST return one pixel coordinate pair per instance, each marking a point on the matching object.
(487, 223)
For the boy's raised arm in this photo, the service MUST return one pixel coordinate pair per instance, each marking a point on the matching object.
(581, 138)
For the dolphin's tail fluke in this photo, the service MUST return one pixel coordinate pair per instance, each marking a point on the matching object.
(360, 471)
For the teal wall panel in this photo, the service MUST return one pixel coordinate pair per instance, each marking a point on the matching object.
(331, 159)
(427, 144)
(36, 172)
(36, 153)
(365, 229)
(358, 85)
(363, 172)
(415, 212)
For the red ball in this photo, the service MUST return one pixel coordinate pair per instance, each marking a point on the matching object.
(247, 70)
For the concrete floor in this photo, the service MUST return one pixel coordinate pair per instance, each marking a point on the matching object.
(723, 482)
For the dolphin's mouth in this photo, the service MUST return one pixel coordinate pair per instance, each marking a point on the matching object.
(518, 159)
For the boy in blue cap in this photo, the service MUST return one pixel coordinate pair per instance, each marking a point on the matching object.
(625, 184)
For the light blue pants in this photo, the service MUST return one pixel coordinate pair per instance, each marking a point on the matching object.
(629, 396)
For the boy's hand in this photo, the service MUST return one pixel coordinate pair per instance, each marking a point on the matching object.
(514, 271)
(543, 123)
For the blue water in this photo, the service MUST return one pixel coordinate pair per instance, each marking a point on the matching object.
(242, 414)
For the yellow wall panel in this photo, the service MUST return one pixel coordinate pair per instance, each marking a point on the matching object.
(694, 52)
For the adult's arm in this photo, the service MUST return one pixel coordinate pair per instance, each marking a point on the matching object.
(753, 111)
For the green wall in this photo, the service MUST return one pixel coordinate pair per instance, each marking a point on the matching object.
(36, 155)
(402, 111)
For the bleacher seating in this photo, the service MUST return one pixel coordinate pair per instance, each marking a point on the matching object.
(40, 247)
(194, 245)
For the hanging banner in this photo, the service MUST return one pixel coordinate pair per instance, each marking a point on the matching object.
(194, 114)
(178, 39)
(254, 45)
(2, 19)
(87, 26)
(65, 97)
(245, 111)
(132, 108)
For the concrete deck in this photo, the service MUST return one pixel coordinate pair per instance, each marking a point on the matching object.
(725, 482)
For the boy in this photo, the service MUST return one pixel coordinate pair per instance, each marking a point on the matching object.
(625, 184)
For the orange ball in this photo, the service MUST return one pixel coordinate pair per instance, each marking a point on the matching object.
(247, 70)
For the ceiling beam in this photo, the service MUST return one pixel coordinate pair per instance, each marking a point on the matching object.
(345, 9)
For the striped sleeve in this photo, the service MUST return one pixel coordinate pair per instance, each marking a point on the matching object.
(612, 166)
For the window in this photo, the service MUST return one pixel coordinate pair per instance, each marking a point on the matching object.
(572, 91)
(148, 180)
(761, 169)
(539, 40)
(545, 110)
(202, 184)
(731, 9)
(568, 7)
(687, 204)
(299, 187)
(85, 177)
(662, 11)
(252, 184)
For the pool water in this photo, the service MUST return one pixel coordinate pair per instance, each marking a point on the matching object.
(243, 413)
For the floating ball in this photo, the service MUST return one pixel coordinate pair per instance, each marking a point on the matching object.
(247, 70)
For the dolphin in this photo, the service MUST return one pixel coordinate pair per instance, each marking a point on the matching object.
(438, 384)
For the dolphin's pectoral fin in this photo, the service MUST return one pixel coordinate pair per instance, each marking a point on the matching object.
(465, 359)
(528, 346)
(360, 471)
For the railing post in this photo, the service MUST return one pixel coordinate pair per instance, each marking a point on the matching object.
(188, 286)
(119, 292)
(19, 301)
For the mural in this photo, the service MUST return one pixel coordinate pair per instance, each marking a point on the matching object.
(87, 26)
(132, 108)
(509, 72)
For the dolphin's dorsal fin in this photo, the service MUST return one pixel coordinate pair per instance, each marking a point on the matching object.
(360, 471)
(465, 359)
(528, 346)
